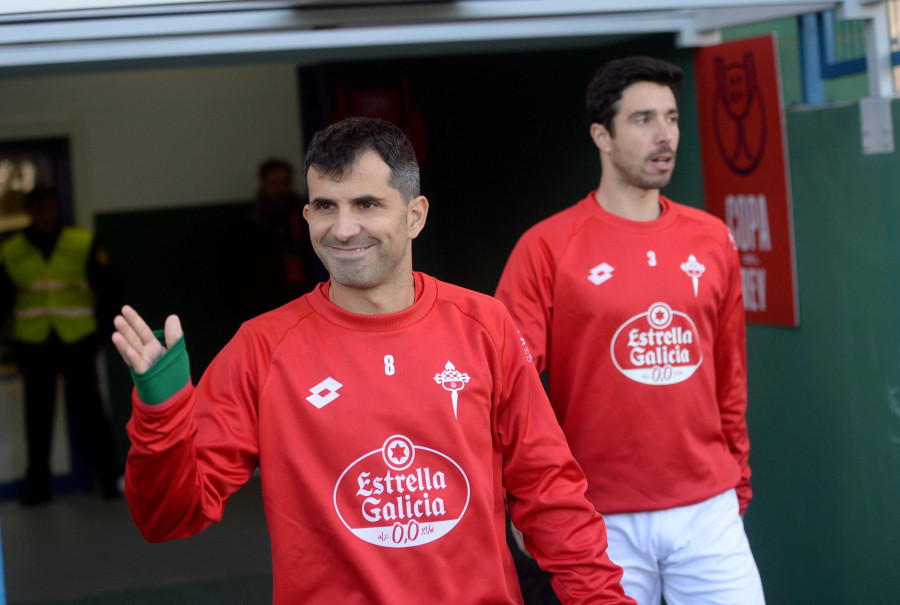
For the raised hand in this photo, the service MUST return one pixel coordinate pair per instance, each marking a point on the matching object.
(136, 342)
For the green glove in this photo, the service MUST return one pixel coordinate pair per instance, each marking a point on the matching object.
(165, 377)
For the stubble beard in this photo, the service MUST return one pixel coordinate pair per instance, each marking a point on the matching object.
(635, 176)
(358, 278)
(363, 273)
(357, 273)
(659, 182)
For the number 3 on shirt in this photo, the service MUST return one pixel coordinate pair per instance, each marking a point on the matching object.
(389, 365)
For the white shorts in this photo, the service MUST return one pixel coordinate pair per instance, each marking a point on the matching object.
(692, 555)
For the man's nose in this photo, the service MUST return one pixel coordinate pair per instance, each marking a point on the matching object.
(345, 225)
(665, 131)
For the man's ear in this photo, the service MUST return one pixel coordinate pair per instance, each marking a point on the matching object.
(601, 137)
(305, 212)
(416, 213)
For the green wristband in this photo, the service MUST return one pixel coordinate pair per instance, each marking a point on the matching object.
(167, 376)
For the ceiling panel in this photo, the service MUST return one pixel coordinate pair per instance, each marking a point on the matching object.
(45, 35)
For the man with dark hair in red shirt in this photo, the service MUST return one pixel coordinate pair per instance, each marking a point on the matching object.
(393, 417)
(633, 305)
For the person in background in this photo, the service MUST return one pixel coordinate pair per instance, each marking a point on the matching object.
(633, 305)
(60, 287)
(393, 417)
(267, 259)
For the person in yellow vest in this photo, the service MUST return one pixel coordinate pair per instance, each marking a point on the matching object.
(56, 281)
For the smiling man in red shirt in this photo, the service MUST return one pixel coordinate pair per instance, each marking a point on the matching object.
(393, 417)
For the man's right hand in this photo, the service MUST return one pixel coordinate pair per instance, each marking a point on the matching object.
(136, 342)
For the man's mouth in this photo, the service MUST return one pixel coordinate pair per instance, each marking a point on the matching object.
(341, 249)
(663, 158)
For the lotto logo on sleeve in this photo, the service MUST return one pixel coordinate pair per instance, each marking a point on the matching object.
(401, 495)
(660, 346)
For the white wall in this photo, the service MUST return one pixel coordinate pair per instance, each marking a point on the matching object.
(156, 138)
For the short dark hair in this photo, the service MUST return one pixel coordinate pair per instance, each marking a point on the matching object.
(335, 149)
(605, 89)
(41, 193)
(274, 165)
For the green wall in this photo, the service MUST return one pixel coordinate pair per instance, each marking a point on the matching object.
(824, 412)
(825, 398)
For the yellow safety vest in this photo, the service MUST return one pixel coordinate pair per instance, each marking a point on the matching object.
(51, 293)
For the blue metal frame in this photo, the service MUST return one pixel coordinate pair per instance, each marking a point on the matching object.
(843, 46)
(829, 49)
(2, 581)
(811, 60)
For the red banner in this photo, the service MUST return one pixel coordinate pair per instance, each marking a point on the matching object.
(745, 171)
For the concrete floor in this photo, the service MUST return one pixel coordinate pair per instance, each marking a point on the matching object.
(81, 550)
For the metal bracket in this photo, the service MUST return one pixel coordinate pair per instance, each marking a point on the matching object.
(876, 125)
